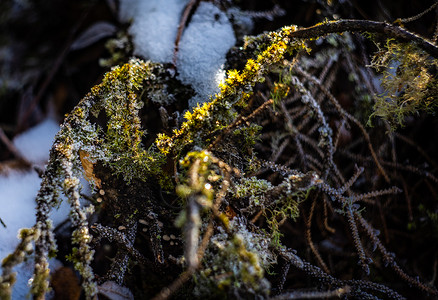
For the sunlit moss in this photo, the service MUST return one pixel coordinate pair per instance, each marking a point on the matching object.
(118, 146)
(205, 177)
(271, 49)
(277, 203)
(235, 264)
(409, 81)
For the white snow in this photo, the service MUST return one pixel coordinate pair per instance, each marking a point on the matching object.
(154, 26)
(18, 190)
(35, 143)
(202, 48)
(127, 9)
(204, 45)
(17, 199)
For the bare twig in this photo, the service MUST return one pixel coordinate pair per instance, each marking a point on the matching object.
(12, 149)
(345, 114)
(56, 65)
(182, 24)
(387, 29)
(309, 239)
(417, 16)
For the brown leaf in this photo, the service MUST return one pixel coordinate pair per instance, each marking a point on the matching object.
(88, 169)
(65, 283)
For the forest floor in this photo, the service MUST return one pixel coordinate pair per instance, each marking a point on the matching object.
(47, 66)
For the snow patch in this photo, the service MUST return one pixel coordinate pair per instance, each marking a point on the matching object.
(128, 9)
(154, 27)
(34, 144)
(204, 45)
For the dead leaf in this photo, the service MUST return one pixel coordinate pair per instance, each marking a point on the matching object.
(66, 285)
(93, 34)
(89, 168)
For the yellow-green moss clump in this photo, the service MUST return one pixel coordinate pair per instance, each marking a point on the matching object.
(409, 81)
(235, 263)
(119, 97)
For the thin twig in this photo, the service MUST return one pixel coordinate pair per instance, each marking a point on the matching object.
(338, 293)
(56, 65)
(416, 17)
(182, 24)
(387, 29)
(345, 114)
(12, 149)
(309, 239)
(239, 121)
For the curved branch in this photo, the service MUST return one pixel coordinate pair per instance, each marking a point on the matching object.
(387, 29)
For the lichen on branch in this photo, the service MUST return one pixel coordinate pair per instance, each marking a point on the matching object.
(409, 81)
(229, 202)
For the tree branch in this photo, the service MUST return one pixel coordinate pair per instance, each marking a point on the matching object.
(387, 29)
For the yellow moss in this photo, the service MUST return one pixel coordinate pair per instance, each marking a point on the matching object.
(236, 90)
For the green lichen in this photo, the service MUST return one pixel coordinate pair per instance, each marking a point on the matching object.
(119, 97)
(117, 144)
(286, 207)
(234, 264)
(246, 137)
(409, 81)
(277, 203)
(120, 49)
(255, 190)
